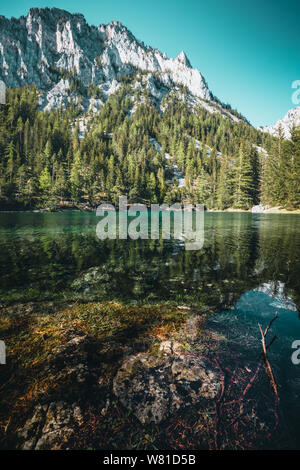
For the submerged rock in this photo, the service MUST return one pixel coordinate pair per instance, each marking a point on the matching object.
(53, 422)
(51, 426)
(154, 387)
(91, 278)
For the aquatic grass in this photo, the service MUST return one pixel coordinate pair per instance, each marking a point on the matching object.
(31, 340)
(33, 335)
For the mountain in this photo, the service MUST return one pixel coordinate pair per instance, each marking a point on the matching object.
(291, 118)
(69, 60)
(123, 119)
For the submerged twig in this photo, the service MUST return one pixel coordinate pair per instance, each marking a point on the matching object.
(265, 356)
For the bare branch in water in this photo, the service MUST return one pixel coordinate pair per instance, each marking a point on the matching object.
(265, 356)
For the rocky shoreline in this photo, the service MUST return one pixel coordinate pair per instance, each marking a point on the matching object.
(87, 208)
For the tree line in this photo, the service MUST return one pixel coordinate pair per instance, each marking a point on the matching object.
(46, 158)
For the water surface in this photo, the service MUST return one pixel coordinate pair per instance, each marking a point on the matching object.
(47, 255)
(247, 270)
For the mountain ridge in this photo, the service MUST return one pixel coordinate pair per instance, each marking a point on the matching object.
(291, 118)
(69, 60)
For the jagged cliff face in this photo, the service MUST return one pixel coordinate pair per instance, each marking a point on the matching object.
(63, 56)
(292, 118)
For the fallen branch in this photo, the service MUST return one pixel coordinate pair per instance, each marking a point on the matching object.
(252, 380)
(265, 356)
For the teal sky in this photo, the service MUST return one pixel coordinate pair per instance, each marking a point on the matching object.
(248, 51)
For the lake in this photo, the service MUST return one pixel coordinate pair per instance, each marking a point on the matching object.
(58, 256)
(247, 270)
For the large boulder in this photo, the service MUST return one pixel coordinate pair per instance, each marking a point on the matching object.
(155, 386)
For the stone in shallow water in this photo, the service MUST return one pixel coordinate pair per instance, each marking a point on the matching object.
(155, 387)
(51, 426)
(91, 278)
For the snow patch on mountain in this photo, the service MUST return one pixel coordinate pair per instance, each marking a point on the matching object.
(291, 118)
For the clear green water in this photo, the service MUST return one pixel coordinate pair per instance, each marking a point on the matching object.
(240, 326)
(249, 268)
(47, 256)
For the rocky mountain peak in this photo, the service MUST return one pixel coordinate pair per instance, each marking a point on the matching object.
(182, 58)
(69, 60)
(292, 118)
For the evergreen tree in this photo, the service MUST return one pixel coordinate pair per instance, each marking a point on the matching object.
(225, 185)
(244, 185)
(292, 180)
(44, 157)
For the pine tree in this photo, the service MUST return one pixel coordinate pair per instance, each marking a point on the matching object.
(243, 179)
(45, 181)
(76, 178)
(10, 154)
(273, 182)
(202, 187)
(225, 184)
(292, 179)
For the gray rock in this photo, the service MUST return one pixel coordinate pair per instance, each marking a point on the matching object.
(259, 208)
(50, 427)
(90, 278)
(154, 387)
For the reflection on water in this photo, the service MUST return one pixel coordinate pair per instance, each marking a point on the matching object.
(49, 256)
